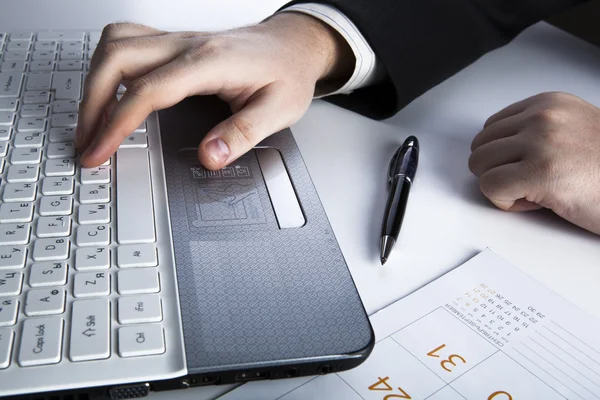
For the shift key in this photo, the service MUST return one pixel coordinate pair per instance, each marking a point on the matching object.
(67, 85)
(10, 84)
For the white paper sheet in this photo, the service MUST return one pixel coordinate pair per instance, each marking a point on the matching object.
(484, 331)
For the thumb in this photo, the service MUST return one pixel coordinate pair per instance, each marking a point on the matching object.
(268, 111)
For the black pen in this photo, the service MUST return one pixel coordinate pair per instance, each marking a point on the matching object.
(400, 178)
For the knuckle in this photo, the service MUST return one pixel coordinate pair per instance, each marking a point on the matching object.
(243, 131)
(212, 47)
(140, 87)
(113, 28)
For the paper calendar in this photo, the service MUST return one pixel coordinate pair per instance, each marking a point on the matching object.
(483, 331)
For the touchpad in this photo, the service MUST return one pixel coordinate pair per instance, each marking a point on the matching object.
(236, 195)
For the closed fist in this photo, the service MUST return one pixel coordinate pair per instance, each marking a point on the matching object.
(542, 152)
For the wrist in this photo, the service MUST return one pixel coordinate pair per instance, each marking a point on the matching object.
(330, 56)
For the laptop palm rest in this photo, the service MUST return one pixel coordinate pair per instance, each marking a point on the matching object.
(262, 280)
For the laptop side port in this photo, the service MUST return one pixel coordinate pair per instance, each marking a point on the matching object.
(251, 376)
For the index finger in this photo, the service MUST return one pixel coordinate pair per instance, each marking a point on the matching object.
(112, 60)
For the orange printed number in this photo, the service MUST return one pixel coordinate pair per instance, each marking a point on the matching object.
(386, 386)
(450, 359)
(493, 395)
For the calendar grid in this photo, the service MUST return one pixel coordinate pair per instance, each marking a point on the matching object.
(512, 358)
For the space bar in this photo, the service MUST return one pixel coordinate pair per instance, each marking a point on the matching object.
(135, 214)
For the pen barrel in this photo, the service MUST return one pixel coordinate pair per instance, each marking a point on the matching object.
(396, 206)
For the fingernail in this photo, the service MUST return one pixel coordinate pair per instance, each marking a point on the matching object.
(218, 150)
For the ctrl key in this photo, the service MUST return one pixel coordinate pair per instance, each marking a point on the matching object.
(141, 340)
(41, 341)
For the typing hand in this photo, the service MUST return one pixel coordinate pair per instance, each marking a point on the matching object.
(267, 74)
(543, 152)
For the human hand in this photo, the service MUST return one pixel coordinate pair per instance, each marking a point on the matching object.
(266, 72)
(542, 152)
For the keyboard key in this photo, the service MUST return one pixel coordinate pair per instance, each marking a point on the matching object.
(23, 173)
(8, 104)
(72, 46)
(142, 340)
(91, 284)
(7, 118)
(18, 66)
(89, 194)
(65, 106)
(34, 110)
(95, 175)
(42, 65)
(90, 330)
(45, 302)
(61, 135)
(137, 255)
(29, 139)
(139, 309)
(6, 341)
(16, 212)
(46, 46)
(43, 55)
(10, 283)
(57, 185)
(135, 213)
(93, 235)
(64, 167)
(11, 234)
(93, 214)
(26, 156)
(67, 85)
(48, 274)
(61, 35)
(71, 55)
(51, 249)
(92, 258)
(135, 140)
(137, 281)
(21, 36)
(49, 227)
(39, 81)
(64, 120)
(12, 257)
(3, 146)
(61, 150)
(56, 205)
(41, 341)
(16, 55)
(36, 97)
(8, 312)
(31, 124)
(19, 192)
(10, 84)
(18, 45)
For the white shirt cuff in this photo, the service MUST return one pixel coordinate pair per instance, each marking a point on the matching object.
(366, 66)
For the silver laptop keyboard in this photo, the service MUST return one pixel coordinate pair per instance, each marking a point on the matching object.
(79, 262)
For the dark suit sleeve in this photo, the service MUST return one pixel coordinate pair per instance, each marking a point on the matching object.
(420, 43)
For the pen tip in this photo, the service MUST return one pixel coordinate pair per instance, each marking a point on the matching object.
(383, 260)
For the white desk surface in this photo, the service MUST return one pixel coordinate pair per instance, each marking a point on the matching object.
(448, 220)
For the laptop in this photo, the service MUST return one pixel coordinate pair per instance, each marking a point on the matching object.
(149, 272)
